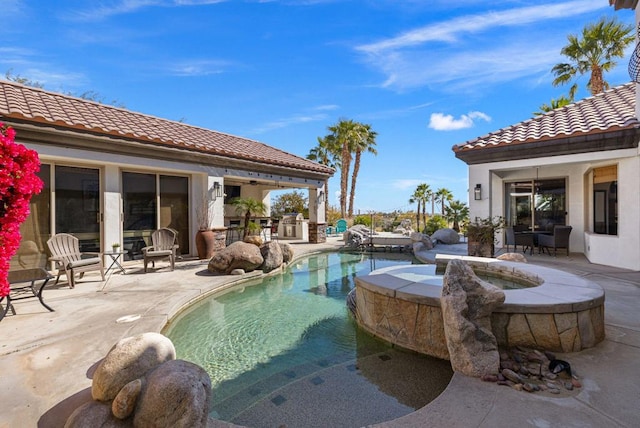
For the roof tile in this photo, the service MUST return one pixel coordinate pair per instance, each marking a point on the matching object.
(27, 103)
(611, 110)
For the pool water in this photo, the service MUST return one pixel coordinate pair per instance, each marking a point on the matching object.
(272, 343)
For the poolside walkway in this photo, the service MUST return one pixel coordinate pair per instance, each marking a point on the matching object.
(47, 358)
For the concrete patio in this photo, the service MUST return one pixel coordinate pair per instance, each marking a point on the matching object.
(48, 357)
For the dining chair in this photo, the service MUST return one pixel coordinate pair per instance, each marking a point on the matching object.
(559, 239)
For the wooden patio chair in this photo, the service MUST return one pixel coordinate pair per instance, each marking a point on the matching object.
(559, 239)
(163, 247)
(65, 252)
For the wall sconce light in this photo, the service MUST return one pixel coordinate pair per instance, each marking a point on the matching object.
(217, 190)
(477, 192)
(321, 197)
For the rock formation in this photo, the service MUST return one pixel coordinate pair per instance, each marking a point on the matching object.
(272, 254)
(446, 236)
(238, 255)
(467, 304)
(141, 384)
(128, 360)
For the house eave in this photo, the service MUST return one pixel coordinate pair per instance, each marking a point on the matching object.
(61, 137)
(586, 143)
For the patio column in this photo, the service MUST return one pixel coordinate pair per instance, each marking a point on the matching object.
(317, 216)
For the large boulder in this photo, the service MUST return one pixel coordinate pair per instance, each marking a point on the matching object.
(253, 239)
(446, 236)
(94, 414)
(467, 303)
(176, 394)
(513, 257)
(287, 252)
(238, 255)
(272, 255)
(131, 358)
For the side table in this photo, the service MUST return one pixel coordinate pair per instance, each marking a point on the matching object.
(17, 278)
(115, 261)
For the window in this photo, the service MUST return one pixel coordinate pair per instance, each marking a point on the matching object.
(231, 192)
(605, 200)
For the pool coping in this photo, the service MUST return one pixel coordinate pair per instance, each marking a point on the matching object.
(557, 292)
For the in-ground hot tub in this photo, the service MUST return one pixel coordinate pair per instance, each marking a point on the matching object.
(555, 310)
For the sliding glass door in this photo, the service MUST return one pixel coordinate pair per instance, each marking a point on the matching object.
(536, 204)
(77, 205)
(142, 194)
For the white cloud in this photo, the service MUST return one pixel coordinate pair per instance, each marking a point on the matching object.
(129, 6)
(446, 122)
(461, 53)
(199, 67)
(449, 31)
(288, 121)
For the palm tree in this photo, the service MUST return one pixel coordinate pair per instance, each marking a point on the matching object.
(366, 141)
(326, 153)
(442, 197)
(421, 196)
(248, 207)
(432, 197)
(560, 102)
(457, 212)
(594, 53)
(344, 139)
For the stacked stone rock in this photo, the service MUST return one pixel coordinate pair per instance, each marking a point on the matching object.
(141, 384)
(528, 370)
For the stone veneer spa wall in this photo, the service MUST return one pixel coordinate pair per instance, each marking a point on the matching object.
(561, 313)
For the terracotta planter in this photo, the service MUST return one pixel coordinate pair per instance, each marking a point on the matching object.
(205, 243)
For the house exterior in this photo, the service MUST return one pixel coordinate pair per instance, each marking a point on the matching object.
(578, 165)
(113, 176)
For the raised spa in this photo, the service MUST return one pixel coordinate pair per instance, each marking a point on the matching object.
(557, 311)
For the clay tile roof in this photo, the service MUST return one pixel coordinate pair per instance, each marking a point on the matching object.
(609, 111)
(623, 4)
(37, 105)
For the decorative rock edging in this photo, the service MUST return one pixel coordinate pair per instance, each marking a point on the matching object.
(565, 313)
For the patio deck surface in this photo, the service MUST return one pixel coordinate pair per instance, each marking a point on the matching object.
(47, 358)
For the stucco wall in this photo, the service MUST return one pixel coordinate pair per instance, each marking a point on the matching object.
(622, 250)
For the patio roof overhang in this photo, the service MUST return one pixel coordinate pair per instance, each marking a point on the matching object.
(567, 145)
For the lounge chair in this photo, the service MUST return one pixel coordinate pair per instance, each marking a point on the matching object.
(163, 247)
(559, 239)
(65, 252)
(341, 226)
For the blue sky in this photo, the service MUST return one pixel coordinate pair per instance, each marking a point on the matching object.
(425, 74)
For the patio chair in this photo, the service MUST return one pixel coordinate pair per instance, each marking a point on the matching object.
(515, 239)
(65, 252)
(163, 247)
(559, 239)
(341, 226)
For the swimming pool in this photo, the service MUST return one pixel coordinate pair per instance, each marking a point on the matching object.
(285, 348)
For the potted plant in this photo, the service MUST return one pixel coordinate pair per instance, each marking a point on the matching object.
(481, 236)
(115, 247)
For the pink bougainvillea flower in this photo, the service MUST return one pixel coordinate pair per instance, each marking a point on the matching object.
(18, 183)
